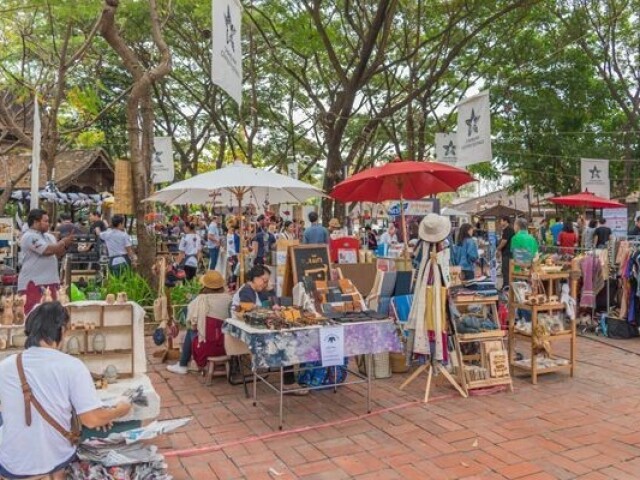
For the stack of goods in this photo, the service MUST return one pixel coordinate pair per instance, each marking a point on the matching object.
(543, 362)
(479, 287)
(341, 295)
(474, 373)
(281, 318)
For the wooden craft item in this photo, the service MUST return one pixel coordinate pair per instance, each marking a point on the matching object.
(122, 298)
(3, 343)
(46, 295)
(18, 309)
(7, 312)
(63, 297)
(498, 364)
(19, 340)
(110, 299)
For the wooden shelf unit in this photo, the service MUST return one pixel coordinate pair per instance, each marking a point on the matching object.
(484, 339)
(115, 323)
(549, 281)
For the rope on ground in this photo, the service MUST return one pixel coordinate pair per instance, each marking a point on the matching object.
(187, 452)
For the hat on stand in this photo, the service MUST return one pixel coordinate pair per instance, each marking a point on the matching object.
(434, 228)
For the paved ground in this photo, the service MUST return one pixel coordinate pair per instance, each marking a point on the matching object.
(587, 427)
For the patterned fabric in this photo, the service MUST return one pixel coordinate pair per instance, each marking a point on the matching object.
(292, 347)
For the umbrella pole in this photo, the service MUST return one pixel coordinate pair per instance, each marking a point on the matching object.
(239, 195)
(403, 222)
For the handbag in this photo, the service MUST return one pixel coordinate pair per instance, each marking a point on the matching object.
(618, 328)
(72, 436)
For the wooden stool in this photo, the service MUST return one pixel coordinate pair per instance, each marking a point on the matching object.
(217, 367)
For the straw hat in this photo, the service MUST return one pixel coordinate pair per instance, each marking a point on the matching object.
(212, 279)
(434, 228)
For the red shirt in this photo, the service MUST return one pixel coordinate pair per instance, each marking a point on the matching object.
(567, 240)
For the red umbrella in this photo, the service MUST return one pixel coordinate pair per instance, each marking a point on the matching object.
(401, 180)
(587, 200)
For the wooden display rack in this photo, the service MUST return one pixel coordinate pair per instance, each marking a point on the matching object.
(549, 280)
(489, 341)
(115, 322)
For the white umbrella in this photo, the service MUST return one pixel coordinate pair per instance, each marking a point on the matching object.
(227, 184)
(235, 184)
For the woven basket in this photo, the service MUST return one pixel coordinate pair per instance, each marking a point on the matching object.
(123, 188)
(398, 362)
(381, 365)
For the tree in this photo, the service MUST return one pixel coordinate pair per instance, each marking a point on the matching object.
(140, 115)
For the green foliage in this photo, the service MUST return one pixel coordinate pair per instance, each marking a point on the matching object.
(186, 291)
(133, 284)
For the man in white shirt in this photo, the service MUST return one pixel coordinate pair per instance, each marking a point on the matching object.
(389, 237)
(59, 384)
(213, 242)
(40, 263)
(118, 245)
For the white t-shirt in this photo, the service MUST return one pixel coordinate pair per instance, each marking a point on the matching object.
(231, 244)
(59, 382)
(388, 239)
(36, 267)
(190, 244)
(116, 242)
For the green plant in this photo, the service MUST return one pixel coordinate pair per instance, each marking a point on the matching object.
(133, 284)
(183, 293)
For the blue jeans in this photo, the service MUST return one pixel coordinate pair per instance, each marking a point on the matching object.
(185, 356)
(213, 257)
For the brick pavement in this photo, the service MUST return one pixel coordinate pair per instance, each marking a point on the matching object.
(587, 427)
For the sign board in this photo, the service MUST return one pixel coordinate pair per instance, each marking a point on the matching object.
(474, 130)
(226, 46)
(417, 208)
(617, 221)
(306, 261)
(332, 345)
(594, 177)
(282, 250)
(162, 167)
(446, 146)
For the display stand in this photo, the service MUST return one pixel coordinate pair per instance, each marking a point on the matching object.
(549, 281)
(7, 242)
(432, 271)
(495, 364)
(104, 337)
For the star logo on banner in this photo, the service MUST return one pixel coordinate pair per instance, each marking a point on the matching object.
(595, 173)
(450, 149)
(472, 123)
(231, 29)
(157, 156)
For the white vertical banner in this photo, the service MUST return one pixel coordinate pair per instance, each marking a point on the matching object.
(292, 170)
(446, 147)
(474, 130)
(35, 155)
(226, 52)
(594, 176)
(162, 167)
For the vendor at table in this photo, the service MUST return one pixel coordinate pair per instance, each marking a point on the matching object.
(257, 282)
(40, 264)
(206, 314)
(40, 390)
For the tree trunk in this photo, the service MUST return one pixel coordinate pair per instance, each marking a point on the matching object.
(140, 121)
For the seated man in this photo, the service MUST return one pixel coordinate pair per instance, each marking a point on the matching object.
(38, 431)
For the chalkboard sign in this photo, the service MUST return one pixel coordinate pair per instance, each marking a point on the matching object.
(310, 261)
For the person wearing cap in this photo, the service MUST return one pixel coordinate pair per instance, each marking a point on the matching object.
(262, 243)
(334, 226)
(211, 302)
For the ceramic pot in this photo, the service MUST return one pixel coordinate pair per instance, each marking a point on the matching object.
(99, 343)
(110, 374)
(73, 346)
